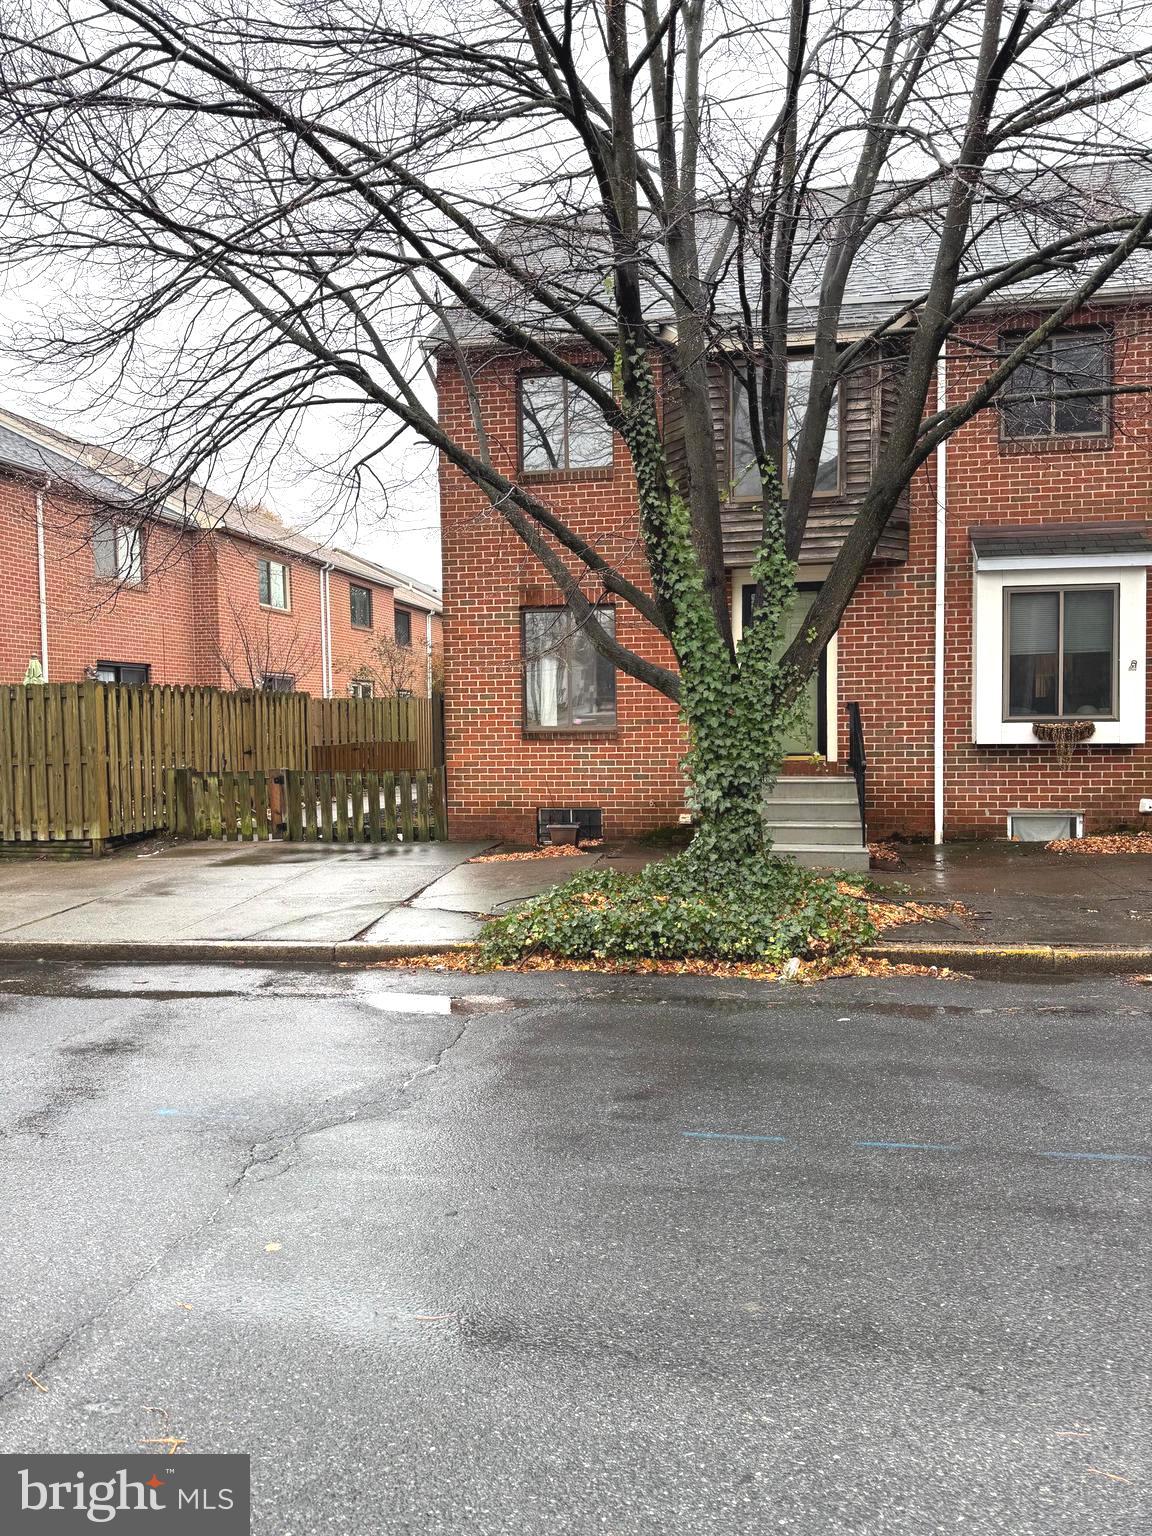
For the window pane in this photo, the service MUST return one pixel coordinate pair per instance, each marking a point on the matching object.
(592, 677)
(361, 601)
(128, 561)
(545, 633)
(279, 585)
(1089, 640)
(1028, 412)
(265, 581)
(745, 471)
(589, 435)
(104, 551)
(799, 386)
(1033, 640)
(402, 627)
(1080, 361)
(542, 421)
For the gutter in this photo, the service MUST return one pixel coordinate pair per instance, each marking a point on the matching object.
(941, 567)
(325, 631)
(41, 577)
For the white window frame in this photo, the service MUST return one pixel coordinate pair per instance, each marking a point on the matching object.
(361, 688)
(993, 575)
(274, 607)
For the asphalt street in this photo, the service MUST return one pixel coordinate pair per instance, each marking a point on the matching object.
(579, 1254)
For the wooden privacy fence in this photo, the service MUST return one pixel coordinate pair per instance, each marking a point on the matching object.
(85, 763)
(313, 807)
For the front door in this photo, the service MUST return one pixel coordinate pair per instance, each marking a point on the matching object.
(808, 733)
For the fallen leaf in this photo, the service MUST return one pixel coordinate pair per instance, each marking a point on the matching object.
(273, 1247)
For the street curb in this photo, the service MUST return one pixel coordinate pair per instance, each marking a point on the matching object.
(215, 951)
(1013, 960)
(993, 960)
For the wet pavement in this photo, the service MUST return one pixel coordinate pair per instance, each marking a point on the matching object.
(1019, 893)
(514, 1254)
(267, 892)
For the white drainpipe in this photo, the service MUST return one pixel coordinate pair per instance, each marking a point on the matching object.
(938, 740)
(325, 633)
(42, 581)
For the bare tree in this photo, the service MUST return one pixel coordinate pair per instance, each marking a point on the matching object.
(396, 669)
(262, 652)
(266, 209)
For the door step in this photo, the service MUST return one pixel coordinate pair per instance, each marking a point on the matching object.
(852, 858)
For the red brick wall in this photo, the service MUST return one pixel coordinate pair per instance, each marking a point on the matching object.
(498, 776)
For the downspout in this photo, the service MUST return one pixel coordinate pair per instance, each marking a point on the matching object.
(938, 595)
(41, 578)
(325, 632)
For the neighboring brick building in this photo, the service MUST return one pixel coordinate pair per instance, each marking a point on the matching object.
(1047, 519)
(209, 594)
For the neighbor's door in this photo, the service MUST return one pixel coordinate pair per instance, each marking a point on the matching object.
(808, 734)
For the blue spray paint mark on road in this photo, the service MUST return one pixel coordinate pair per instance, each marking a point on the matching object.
(1100, 1157)
(908, 1146)
(730, 1136)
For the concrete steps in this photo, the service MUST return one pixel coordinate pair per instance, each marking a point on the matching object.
(815, 819)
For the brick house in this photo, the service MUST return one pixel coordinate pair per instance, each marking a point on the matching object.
(1008, 592)
(201, 592)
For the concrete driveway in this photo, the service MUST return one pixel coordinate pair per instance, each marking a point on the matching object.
(578, 1254)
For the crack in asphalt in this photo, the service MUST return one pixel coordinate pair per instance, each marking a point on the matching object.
(259, 1154)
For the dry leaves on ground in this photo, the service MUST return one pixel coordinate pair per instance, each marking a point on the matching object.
(468, 963)
(1110, 842)
(884, 856)
(553, 851)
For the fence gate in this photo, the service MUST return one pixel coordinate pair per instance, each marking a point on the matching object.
(313, 807)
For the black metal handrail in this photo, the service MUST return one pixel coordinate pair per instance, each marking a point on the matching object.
(858, 761)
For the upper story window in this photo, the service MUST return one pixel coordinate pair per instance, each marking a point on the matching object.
(1061, 391)
(745, 473)
(1060, 653)
(568, 684)
(118, 553)
(274, 586)
(278, 682)
(402, 627)
(360, 604)
(361, 688)
(560, 427)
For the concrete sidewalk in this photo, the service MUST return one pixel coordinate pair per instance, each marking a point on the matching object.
(267, 892)
(1020, 894)
(425, 895)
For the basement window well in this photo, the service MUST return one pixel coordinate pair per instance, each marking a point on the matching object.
(1044, 826)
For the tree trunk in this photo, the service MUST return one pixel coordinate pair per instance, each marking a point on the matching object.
(729, 696)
